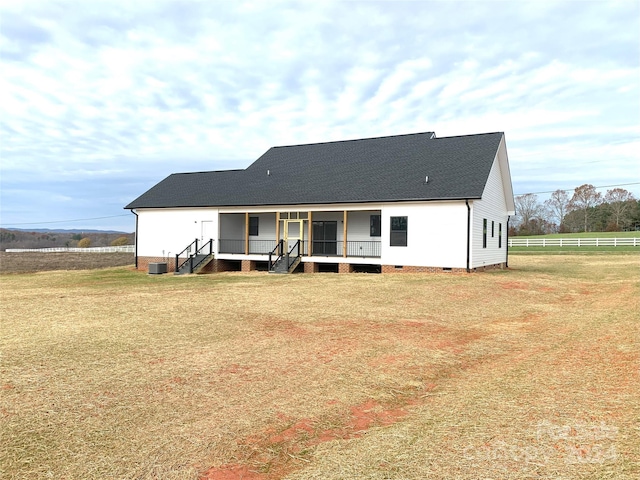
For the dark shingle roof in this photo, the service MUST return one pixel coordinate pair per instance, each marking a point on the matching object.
(383, 169)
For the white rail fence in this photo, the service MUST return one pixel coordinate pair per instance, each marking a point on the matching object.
(574, 242)
(120, 249)
(513, 242)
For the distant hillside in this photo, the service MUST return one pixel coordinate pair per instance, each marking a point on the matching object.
(41, 238)
(64, 230)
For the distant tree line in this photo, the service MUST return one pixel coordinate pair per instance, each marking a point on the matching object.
(587, 210)
(24, 239)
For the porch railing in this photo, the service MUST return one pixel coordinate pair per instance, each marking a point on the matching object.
(363, 249)
(322, 248)
(193, 246)
(294, 253)
(256, 247)
(331, 248)
(277, 253)
(280, 254)
(194, 260)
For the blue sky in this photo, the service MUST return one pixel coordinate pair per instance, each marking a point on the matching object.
(100, 100)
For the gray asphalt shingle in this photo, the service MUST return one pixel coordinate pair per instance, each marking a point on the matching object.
(383, 169)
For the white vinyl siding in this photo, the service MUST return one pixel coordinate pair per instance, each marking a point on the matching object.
(232, 226)
(267, 227)
(359, 226)
(233, 230)
(492, 208)
(166, 232)
(436, 235)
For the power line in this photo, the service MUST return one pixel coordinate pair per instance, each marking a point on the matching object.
(64, 221)
(572, 189)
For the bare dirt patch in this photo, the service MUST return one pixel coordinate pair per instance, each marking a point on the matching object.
(29, 262)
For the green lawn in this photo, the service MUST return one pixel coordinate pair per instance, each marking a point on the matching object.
(584, 235)
(588, 250)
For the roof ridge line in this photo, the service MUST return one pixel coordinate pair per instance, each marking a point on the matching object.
(210, 171)
(470, 135)
(356, 139)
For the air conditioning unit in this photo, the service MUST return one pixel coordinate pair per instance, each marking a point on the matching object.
(157, 268)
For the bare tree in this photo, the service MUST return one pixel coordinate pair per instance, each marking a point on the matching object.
(585, 197)
(620, 202)
(529, 211)
(558, 206)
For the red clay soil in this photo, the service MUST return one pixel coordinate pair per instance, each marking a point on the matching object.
(233, 472)
(303, 435)
(513, 285)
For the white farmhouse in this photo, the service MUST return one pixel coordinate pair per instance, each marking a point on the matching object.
(403, 203)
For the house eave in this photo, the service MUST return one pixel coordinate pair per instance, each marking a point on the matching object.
(285, 204)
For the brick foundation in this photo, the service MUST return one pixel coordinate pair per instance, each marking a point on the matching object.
(218, 265)
(310, 267)
(248, 266)
(345, 268)
(413, 269)
(210, 267)
(496, 266)
(143, 263)
(215, 266)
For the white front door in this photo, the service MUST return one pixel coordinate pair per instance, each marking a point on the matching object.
(206, 231)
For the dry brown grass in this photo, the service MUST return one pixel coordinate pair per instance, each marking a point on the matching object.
(527, 373)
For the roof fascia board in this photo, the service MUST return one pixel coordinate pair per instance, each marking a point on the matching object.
(505, 173)
(332, 204)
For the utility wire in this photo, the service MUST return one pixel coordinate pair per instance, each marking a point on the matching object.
(64, 221)
(572, 189)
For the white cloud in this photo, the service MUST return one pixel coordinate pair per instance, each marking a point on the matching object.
(105, 90)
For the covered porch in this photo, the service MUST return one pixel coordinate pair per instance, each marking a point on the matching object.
(319, 234)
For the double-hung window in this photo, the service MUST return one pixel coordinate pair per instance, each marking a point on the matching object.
(398, 237)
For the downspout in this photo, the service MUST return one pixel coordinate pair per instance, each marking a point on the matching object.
(135, 240)
(506, 260)
(466, 201)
